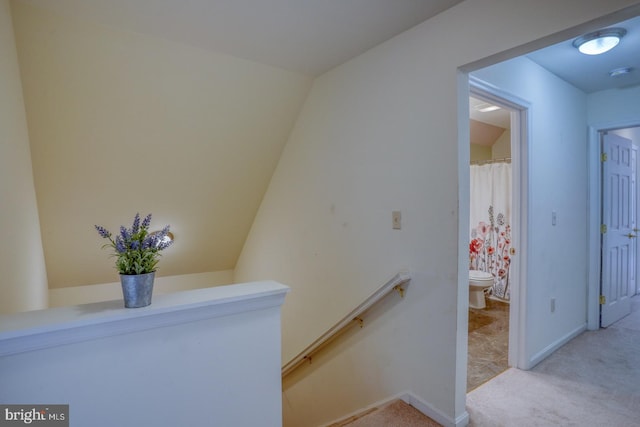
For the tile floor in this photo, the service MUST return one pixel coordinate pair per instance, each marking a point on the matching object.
(488, 342)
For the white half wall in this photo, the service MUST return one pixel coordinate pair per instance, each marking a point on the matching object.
(23, 278)
(207, 357)
(75, 295)
(377, 134)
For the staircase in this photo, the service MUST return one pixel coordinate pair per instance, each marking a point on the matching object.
(394, 414)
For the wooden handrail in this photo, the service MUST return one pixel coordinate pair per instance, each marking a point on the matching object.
(396, 283)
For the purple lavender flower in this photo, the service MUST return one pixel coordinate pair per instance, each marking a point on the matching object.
(136, 224)
(124, 233)
(146, 243)
(146, 222)
(164, 244)
(103, 231)
(164, 232)
(135, 249)
(120, 246)
(151, 241)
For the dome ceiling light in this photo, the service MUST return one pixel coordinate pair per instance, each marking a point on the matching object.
(600, 41)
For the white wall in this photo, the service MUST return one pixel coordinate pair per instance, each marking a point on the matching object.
(75, 295)
(363, 146)
(209, 357)
(502, 147)
(558, 176)
(479, 152)
(23, 279)
(614, 106)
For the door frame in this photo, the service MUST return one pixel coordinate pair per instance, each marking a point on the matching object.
(520, 137)
(594, 244)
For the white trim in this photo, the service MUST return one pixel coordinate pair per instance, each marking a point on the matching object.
(35, 330)
(595, 216)
(433, 413)
(546, 352)
(521, 111)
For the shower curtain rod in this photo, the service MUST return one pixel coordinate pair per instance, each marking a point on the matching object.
(485, 162)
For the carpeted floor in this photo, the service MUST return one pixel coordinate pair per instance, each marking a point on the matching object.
(395, 414)
(592, 381)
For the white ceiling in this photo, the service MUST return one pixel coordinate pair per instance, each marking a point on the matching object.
(591, 73)
(500, 118)
(307, 36)
(587, 73)
(313, 36)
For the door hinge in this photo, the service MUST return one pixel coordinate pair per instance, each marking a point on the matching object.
(603, 300)
(603, 228)
(603, 157)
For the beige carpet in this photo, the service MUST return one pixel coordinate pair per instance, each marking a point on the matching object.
(395, 414)
(592, 381)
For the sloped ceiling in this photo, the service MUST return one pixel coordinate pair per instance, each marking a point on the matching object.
(485, 127)
(483, 133)
(306, 36)
(121, 123)
(176, 108)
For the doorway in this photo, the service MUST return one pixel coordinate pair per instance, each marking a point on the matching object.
(628, 129)
(614, 209)
(494, 334)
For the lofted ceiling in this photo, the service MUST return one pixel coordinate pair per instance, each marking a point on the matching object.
(306, 36)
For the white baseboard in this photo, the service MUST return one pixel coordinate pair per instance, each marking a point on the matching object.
(546, 352)
(433, 413)
(417, 403)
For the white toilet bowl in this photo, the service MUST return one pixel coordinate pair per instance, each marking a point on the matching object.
(478, 282)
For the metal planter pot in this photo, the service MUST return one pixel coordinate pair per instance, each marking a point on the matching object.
(137, 289)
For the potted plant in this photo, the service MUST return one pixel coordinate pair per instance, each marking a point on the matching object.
(137, 252)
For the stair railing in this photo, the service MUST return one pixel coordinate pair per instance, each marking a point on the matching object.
(397, 283)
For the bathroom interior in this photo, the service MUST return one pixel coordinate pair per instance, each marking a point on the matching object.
(489, 241)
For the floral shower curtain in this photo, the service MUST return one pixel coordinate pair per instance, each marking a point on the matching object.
(490, 219)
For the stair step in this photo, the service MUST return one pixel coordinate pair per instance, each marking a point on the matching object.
(394, 414)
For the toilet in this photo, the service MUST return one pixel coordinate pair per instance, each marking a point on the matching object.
(478, 282)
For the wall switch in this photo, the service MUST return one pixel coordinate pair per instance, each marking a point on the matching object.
(553, 305)
(396, 220)
(554, 217)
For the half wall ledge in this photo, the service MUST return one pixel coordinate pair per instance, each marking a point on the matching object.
(41, 329)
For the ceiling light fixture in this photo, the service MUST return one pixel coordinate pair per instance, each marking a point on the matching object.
(489, 108)
(600, 41)
(485, 107)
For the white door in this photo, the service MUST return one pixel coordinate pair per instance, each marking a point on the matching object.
(636, 192)
(619, 228)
